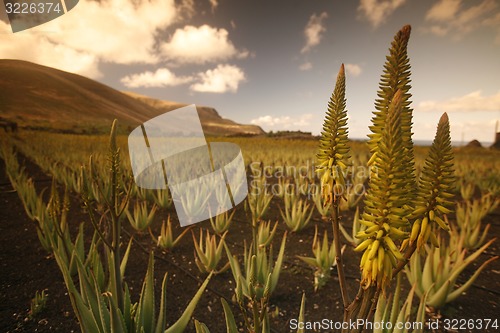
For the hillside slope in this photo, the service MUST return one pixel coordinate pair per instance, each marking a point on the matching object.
(40, 97)
(212, 122)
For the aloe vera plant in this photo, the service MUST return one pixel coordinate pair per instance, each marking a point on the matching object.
(467, 190)
(257, 268)
(142, 216)
(259, 198)
(38, 303)
(392, 207)
(194, 200)
(436, 279)
(323, 260)
(208, 253)
(284, 185)
(163, 198)
(166, 239)
(398, 318)
(256, 283)
(222, 222)
(265, 234)
(469, 217)
(296, 213)
(94, 271)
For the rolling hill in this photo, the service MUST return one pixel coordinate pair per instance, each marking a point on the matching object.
(40, 97)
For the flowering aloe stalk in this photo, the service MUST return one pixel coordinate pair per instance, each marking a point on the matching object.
(435, 188)
(333, 160)
(391, 202)
(396, 77)
(333, 157)
(384, 213)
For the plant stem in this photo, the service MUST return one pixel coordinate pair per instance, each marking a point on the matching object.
(117, 259)
(256, 321)
(406, 259)
(338, 258)
(115, 219)
(362, 307)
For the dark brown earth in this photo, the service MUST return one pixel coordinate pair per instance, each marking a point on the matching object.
(25, 268)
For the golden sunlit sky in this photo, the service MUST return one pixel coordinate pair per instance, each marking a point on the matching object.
(274, 63)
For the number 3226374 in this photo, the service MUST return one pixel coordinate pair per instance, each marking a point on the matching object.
(32, 8)
(471, 324)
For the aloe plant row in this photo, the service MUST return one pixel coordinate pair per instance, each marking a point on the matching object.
(94, 273)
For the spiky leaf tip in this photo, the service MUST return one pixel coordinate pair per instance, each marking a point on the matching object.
(333, 157)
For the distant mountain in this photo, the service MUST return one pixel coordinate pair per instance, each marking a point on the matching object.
(40, 97)
(211, 121)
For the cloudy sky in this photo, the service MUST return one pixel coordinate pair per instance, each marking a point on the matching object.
(274, 63)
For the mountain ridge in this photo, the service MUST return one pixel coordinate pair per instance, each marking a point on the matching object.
(39, 97)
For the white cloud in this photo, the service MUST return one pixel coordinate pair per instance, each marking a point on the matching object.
(116, 31)
(314, 31)
(353, 69)
(305, 66)
(200, 45)
(283, 122)
(163, 77)
(223, 78)
(377, 11)
(472, 102)
(20, 46)
(214, 4)
(449, 17)
(443, 10)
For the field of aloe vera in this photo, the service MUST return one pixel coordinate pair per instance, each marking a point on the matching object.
(332, 231)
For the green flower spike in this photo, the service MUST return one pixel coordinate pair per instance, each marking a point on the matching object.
(383, 215)
(396, 76)
(435, 187)
(333, 157)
